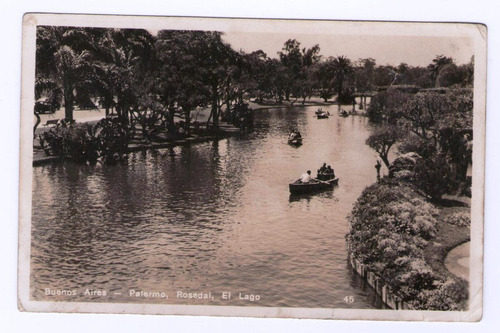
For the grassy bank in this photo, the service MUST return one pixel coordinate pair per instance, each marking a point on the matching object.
(448, 236)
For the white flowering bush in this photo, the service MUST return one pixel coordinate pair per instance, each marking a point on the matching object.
(390, 226)
(459, 219)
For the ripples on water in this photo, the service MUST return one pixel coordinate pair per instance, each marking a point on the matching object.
(208, 217)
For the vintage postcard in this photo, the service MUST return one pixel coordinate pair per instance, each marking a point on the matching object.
(252, 167)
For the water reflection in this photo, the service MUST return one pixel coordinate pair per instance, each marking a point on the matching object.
(306, 197)
(214, 216)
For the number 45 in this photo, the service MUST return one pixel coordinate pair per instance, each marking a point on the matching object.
(349, 299)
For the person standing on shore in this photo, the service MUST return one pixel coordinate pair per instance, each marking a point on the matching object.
(378, 166)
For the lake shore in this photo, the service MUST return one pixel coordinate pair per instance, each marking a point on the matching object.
(202, 115)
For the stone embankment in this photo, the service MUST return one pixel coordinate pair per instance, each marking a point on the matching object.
(389, 299)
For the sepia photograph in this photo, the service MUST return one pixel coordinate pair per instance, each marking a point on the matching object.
(252, 167)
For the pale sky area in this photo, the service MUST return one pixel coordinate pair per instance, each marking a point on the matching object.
(392, 50)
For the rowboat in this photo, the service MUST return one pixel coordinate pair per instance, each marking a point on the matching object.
(295, 141)
(323, 115)
(314, 185)
(325, 176)
(295, 138)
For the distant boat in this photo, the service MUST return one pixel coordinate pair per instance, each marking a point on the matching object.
(295, 138)
(314, 185)
(295, 141)
(322, 114)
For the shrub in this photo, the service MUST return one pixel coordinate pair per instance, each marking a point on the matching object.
(390, 226)
(84, 143)
(404, 165)
(75, 141)
(415, 144)
(433, 176)
(113, 140)
(448, 295)
(389, 221)
(459, 219)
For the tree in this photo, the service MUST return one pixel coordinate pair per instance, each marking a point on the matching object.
(217, 59)
(298, 63)
(422, 111)
(291, 58)
(344, 71)
(365, 71)
(278, 79)
(196, 68)
(382, 139)
(125, 60)
(433, 176)
(439, 63)
(455, 131)
(64, 56)
(50, 89)
(254, 77)
(386, 105)
(324, 76)
(384, 76)
(177, 80)
(71, 68)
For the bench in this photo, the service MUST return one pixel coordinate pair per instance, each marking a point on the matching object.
(51, 122)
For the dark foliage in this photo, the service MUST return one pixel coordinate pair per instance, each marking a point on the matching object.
(84, 143)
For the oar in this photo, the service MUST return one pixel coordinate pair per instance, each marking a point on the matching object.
(325, 182)
(322, 181)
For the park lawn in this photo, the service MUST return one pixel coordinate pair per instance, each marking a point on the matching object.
(448, 237)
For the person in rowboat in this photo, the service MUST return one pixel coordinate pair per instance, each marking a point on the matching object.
(322, 169)
(294, 135)
(329, 171)
(306, 177)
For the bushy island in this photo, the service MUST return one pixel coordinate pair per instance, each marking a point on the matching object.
(109, 140)
(105, 141)
(403, 226)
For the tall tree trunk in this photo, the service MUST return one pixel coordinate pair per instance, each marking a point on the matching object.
(187, 117)
(215, 102)
(170, 120)
(228, 102)
(68, 100)
(38, 120)
(339, 99)
(385, 160)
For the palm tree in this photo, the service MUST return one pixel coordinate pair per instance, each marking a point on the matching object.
(72, 69)
(343, 70)
(63, 57)
(122, 57)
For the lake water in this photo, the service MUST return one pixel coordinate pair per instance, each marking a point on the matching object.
(208, 218)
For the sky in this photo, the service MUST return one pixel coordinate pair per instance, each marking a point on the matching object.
(392, 43)
(392, 50)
